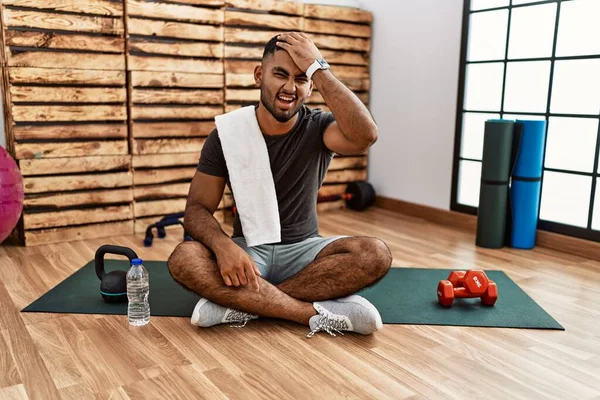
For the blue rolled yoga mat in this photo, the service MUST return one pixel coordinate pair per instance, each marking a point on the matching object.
(526, 183)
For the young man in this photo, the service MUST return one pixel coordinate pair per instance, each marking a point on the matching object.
(305, 278)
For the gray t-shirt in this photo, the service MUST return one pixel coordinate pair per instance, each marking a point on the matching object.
(299, 161)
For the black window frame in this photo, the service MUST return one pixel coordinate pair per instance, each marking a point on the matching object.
(583, 233)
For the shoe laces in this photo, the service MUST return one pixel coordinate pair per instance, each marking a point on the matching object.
(329, 323)
(240, 317)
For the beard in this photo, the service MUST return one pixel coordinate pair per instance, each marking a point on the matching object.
(280, 115)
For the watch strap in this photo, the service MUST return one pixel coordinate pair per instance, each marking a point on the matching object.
(313, 68)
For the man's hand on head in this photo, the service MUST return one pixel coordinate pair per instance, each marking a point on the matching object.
(300, 47)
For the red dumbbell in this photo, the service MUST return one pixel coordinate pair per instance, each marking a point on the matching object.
(467, 284)
(491, 295)
(457, 278)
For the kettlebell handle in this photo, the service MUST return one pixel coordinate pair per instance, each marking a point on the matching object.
(111, 249)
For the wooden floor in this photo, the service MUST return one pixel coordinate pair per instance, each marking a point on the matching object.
(47, 356)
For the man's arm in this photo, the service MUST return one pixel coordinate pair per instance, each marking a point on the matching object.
(204, 197)
(236, 267)
(354, 130)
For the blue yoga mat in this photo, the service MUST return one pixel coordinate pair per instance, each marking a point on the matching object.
(525, 189)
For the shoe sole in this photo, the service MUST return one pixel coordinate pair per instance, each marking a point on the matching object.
(196, 314)
(365, 303)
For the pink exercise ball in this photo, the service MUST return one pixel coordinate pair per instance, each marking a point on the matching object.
(11, 194)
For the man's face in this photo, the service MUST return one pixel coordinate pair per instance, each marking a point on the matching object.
(283, 86)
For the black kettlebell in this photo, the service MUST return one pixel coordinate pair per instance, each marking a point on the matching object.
(113, 286)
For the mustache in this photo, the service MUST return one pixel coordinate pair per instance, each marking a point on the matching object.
(284, 93)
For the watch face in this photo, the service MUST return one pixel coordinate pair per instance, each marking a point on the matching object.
(323, 63)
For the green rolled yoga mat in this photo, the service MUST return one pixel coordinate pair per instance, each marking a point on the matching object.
(491, 218)
(495, 174)
(403, 296)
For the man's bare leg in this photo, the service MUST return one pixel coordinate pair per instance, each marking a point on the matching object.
(194, 266)
(342, 268)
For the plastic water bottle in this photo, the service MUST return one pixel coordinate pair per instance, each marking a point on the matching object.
(138, 289)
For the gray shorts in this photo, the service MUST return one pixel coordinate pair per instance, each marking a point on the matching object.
(282, 261)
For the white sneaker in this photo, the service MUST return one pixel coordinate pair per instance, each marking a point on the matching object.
(353, 313)
(206, 313)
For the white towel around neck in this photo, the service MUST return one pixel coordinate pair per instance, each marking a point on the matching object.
(250, 175)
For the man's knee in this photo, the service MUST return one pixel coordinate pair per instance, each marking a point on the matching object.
(380, 254)
(373, 252)
(183, 254)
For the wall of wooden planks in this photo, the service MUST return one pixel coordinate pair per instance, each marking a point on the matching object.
(66, 117)
(107, 103)
(175, 65)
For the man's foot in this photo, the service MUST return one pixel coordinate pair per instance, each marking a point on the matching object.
(206, 313)
(353, 313)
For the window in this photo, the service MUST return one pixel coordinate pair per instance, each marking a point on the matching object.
(524, 59)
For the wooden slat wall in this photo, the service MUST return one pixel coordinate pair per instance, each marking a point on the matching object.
(175, 65)
(65, 88)
(107, 103)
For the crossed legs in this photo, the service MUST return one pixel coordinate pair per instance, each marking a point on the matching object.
(342, 268)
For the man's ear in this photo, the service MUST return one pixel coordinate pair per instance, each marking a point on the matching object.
(311, 87)
(258, 74)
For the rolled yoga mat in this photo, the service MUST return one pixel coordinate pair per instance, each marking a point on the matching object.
(495, 174)
(526, 183)
(403, 296)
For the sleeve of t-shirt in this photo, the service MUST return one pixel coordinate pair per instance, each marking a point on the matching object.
(325, 119)
(212, 160)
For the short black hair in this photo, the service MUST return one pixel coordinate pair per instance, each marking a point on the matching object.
(271, 47)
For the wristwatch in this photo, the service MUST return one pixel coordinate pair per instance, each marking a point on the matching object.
(319, 63)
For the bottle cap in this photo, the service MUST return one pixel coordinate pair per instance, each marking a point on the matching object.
(136, 261)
